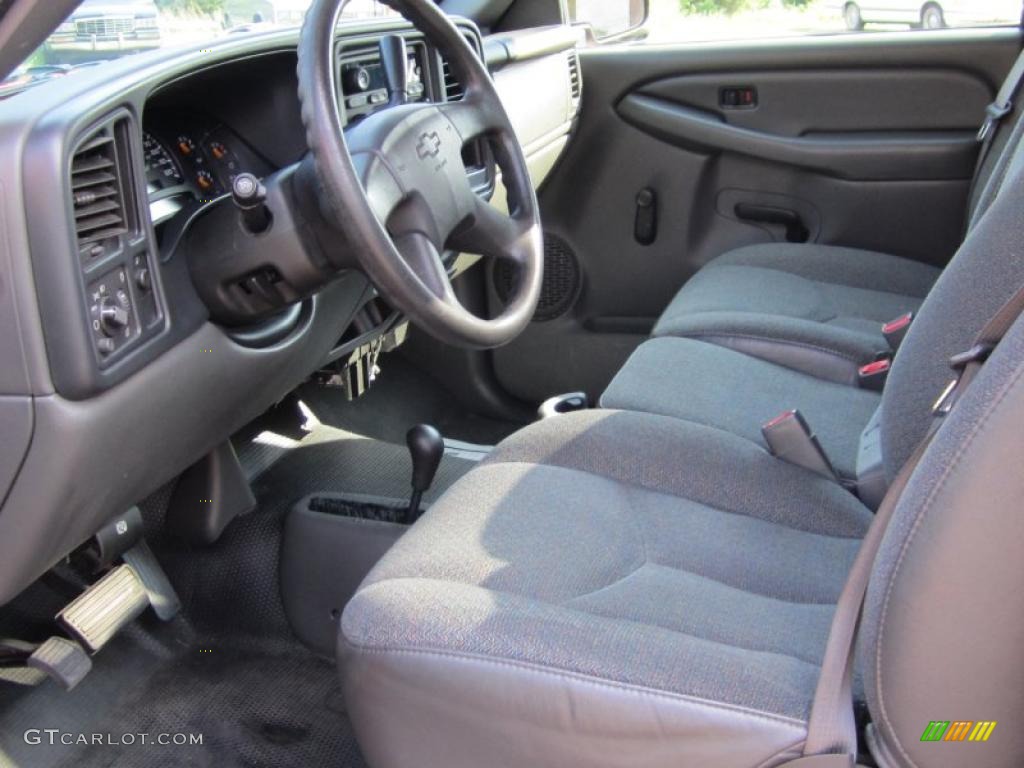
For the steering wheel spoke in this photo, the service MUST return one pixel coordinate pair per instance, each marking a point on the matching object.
(494, 234)
(382, 191)
(423, 258)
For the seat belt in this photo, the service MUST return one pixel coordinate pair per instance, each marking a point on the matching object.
(832, 731)
(994, 115)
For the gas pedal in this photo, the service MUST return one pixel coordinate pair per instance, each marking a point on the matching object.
(29, 664)
(98, 614)
(62, 659)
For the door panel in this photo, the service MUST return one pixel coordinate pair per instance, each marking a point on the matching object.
(863, 155)
(794, 103)
(864, 140)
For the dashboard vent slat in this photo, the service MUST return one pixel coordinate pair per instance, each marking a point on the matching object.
(90, 179)
(453, 90)
(97, 193)
(575, 79)
(91, 222)
(94, 209)
(91, 162)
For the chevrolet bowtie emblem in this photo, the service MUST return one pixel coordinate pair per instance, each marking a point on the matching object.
(429, 145)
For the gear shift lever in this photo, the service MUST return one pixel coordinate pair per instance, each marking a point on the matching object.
(426, 446)
(394, 57)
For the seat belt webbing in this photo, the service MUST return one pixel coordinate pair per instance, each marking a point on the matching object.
(994, 114)
(832, 729)
(1001, 107)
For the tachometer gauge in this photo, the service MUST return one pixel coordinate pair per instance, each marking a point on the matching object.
(186, 146)
(161, 169)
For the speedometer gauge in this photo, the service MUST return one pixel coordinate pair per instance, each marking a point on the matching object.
(161, 169)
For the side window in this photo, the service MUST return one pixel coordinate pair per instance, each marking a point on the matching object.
(666, 21)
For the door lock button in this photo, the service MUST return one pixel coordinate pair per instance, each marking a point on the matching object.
(738, 97)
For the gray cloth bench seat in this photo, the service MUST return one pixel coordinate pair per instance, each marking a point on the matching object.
(719, 387)
(815, 308)
(653, 587)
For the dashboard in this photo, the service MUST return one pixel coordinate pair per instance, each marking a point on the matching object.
(192, 158)
(196, 156)
(113, 378)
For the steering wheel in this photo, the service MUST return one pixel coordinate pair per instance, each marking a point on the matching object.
(396, 185)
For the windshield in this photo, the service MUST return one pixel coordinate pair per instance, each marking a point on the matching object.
(101, 30)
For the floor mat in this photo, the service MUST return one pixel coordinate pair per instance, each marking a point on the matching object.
(229, 668)
(244, 564)
(216, 702)
(251, 707)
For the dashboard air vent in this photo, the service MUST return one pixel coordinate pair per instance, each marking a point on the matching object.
(97, 194)
(453, 90)
(575, 80)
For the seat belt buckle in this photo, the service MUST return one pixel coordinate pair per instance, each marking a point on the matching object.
(896, 330)
(790, 438)
(874, 375)
(979, 353)
(994, 113)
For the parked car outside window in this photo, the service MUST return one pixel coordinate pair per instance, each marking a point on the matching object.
(106, 25)
(931, 14)
(674, 21)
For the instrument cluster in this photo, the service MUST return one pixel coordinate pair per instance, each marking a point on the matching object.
(192, 160)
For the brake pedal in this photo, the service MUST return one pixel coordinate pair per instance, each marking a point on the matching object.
(98, 614)
(110, 604)
(122, 539)
(154, 580)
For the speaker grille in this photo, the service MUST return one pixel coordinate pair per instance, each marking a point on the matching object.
(561, 283)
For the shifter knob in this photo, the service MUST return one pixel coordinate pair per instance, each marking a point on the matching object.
(426, 447)
(394, 58)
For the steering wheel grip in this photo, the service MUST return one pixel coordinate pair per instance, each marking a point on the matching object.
(396, 185)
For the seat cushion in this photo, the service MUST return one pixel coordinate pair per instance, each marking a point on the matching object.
(812, 307)
(716, 386)
(607, 589)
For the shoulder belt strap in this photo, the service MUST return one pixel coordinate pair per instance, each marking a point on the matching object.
(831, 729)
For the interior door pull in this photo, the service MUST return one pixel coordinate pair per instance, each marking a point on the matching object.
(796, 231)
(645, 224)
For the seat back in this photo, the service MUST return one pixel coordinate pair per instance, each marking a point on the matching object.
(943, 629)
(986, 270)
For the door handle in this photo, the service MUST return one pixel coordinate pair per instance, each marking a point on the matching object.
(796, 230)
